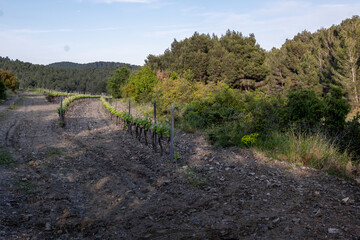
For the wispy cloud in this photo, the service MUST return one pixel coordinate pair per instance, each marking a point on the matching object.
(36, 31)
(124, 1)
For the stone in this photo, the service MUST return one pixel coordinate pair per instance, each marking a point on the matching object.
(296, 220)
(47, 226)
(318, 213)
(334, 231)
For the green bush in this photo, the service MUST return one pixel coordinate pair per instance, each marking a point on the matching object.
(2, 90)
(336, 111)
(141, 86)
(305, 110)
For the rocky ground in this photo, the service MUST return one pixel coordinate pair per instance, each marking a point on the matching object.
(93, 180)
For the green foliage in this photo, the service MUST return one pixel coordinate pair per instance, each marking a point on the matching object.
(218, 106)
(336, 110)
(68, 100)
(7, 80)
(250, 139)
(5, 157)
(71, 77)
(141, 85)
(305, 110)
(162, 129)
(233, 58)
(2, 90)
(177, 89)
(26, 186)
(310, 149)
(195, 178)
(118, 81)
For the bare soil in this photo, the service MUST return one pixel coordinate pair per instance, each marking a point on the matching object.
(93, 180)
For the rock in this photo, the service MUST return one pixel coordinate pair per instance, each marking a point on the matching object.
(47, 226)
(276, 220)
(357, 180)
(334, 231)
(251, 173)
(296, 220)
(318, 213)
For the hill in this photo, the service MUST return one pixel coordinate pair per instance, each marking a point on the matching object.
(66, 76)
(96, 65)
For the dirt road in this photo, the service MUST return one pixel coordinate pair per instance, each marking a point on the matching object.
(92, 180)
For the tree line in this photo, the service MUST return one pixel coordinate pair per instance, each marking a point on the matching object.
(64, 76)
(308, 61)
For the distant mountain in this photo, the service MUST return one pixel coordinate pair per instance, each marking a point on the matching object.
(96, 65)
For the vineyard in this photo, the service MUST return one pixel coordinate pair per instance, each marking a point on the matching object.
(91, 179)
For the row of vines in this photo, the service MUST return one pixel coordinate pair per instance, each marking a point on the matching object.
(142, 127)
(72, 98)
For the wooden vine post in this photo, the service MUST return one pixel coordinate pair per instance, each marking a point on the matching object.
(172, 134)
(155, 135)
(129, 124)
(61, 115)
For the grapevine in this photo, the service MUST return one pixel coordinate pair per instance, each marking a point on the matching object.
(141, 124)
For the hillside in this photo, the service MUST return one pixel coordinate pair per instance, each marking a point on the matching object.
(91, 65)
(64, 76)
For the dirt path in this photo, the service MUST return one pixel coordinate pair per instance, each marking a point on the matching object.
(91, 180)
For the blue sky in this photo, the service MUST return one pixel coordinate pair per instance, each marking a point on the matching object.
(46, 31)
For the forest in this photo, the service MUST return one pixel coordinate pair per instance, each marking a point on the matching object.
(65, 76)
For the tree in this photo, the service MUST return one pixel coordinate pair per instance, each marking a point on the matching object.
(141, 85)
(304, 109)
(2, 90)
(9, 80)
(336, 110)
(347, 58)
(116, 83)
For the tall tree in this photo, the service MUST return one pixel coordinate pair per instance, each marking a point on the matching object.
(116, 82)
(347, 57)
(141, 85)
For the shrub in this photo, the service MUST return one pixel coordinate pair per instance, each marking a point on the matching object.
(336, 110)
(311, 149)
(250, 139)
(2, 90)
(141, 85)
(305, 110)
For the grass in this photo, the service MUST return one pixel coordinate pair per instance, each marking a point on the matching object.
(5, 157)
(100, 137)
(313, 150)
(194, 178)
(55, 151)
(26, 186)
(15, 105)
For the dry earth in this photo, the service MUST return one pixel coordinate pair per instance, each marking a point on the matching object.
(92, 180)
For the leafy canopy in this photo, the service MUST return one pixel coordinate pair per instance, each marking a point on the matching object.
(116, 82)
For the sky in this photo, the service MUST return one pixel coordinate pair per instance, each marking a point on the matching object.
(83, 31)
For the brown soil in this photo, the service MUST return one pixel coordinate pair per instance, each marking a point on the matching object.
(92, 180)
